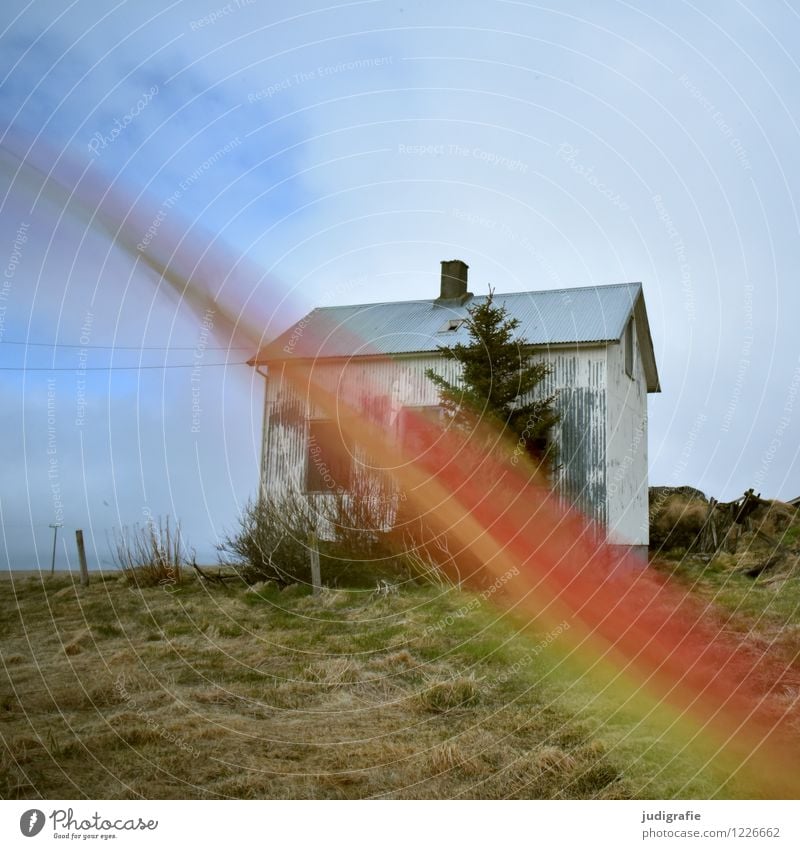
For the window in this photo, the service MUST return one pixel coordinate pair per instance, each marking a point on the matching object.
(629, 348)
(329, 459)
(452, 324)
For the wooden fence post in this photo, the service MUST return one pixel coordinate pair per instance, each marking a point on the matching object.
(316, 578)
(82, 559)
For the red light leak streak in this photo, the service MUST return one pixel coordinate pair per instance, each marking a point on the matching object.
(500, 515)
(504, 516)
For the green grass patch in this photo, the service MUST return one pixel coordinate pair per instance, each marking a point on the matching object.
(420, 693)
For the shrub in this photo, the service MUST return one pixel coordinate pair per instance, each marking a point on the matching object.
(150, 555)
(271, 541)
(356, 522)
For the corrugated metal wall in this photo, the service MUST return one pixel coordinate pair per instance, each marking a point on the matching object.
(579, 377)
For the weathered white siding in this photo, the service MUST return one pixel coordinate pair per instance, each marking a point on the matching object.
(627, 515)
(579, 377)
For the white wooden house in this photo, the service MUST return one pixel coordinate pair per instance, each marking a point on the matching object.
(596, 338)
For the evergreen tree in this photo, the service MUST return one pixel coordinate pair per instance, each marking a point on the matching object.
(497, 382)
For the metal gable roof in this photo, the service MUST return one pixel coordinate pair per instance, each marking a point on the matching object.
(551, 317)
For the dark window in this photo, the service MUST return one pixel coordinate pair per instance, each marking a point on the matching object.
(629, 348)
(329, 459)
(452, 324)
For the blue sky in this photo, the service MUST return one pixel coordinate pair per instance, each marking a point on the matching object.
(337, 153)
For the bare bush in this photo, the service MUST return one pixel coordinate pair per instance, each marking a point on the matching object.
(350, 527)
(356, 521)
(271, 541)
(440, 570)
(355, 530)
(150, 555)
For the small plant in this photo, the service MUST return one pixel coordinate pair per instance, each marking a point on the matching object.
(151, 555)
(424, 568)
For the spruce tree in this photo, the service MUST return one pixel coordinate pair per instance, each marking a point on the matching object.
(498, 382)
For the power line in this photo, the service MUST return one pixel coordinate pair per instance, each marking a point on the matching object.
(125, 347)
(120, 368)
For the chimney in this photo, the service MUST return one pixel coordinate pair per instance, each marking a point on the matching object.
(454, 281)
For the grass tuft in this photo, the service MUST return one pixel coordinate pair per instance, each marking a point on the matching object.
(446, 696)
(150, 556)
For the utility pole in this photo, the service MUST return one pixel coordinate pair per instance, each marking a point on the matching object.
(55, 528)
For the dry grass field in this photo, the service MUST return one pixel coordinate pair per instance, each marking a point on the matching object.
(118, 692)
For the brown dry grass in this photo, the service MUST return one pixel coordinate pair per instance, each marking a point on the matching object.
(677, 521)
(122, 692)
